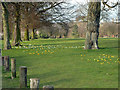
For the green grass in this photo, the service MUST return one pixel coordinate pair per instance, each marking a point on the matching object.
(64, 63)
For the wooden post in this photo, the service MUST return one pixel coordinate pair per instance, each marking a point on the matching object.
(6, 61)
(23, 76)
(13, 68)
(48, 87)
(2, 61)
(34, 83)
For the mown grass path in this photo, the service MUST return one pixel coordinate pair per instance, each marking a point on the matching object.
(64, 63)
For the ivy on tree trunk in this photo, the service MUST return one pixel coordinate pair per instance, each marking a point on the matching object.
(6, 26)
(92, 32)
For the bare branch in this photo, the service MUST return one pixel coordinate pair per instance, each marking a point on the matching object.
(105, 3)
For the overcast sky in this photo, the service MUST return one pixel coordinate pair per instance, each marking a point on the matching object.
(114, 12)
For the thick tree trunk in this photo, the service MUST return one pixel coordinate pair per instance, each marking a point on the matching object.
(66, 34)
(26, 35)
(16, 32)
(6, 27)
(33, 34)
(93, 25)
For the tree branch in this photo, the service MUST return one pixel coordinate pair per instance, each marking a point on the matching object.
(105, 3)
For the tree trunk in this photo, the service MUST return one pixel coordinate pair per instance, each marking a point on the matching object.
(93, 25)
(66, 34)
(6, 27)
(16, 32)
(26, 35)
(33, 34)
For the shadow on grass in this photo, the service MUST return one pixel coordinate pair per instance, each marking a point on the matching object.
(48, 75)
(55, 82)
(107, 47)
(41, 44)
(44, 75)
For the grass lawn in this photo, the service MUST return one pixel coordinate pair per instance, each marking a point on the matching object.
(64, 63)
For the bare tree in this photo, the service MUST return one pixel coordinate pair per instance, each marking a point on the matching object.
(92, 33)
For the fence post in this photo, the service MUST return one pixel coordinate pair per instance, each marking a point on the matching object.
(48, 87)
(13, 68)
(6, 61)
(34, 83)
(23, 76)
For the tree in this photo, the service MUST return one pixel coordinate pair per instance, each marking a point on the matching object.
(6, 26)
(35, 15)
(93, 25)
(16, 31)
(75, 31)
(93, 20)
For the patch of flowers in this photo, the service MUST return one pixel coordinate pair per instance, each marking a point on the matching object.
(106, 59)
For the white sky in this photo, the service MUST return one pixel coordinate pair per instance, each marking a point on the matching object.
(114, 13)
(83, 1)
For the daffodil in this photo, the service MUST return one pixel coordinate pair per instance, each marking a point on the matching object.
(30, 53)
(97, 60)
(102, 63)
(101, 58)
(105, 60)
(45, 50)
(112, 56)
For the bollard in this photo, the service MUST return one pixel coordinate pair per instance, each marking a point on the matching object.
(48, 87)
(13, 68)
(6, 63)
(2, 61)
(34, 83)
(23, 77)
